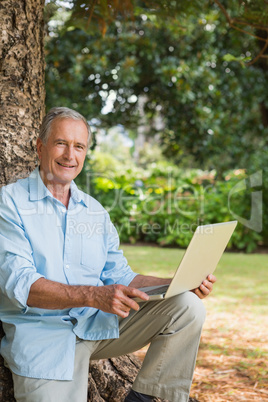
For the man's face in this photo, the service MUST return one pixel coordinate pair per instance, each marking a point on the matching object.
(62, 157)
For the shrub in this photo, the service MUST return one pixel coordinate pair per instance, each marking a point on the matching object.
(164, 204)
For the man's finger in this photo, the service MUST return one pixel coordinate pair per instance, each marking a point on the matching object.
(207, 284)
(199, 293)
(204, 289)
(135, 293)
(212, 278)
(122, 313)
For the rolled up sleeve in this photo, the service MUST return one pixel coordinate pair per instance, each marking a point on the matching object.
(116, 269)
(17, 269)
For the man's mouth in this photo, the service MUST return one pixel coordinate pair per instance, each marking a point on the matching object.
(66, 165)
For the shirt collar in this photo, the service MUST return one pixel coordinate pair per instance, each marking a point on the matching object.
(38, 190)
(78, 196)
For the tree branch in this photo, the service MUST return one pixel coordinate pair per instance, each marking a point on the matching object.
(240, 22)
(224, 11)
(232, 21)
(259, 55)
(91, 12)
(248, 33)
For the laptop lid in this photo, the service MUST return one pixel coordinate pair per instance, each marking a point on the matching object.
(201, 257)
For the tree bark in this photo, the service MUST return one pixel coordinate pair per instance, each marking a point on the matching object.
(22, 90)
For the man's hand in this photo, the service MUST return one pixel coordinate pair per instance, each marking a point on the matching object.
(116, 299)
(206, 287)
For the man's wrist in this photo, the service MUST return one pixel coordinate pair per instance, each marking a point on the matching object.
(88, 294)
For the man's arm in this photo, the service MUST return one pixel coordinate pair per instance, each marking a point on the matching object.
(114, 299)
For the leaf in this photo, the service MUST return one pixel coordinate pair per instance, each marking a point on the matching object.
(229, 57)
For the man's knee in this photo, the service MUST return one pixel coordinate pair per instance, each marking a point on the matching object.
(196, 308)
(189, 305)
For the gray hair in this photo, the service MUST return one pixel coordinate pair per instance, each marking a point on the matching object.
(60, 113)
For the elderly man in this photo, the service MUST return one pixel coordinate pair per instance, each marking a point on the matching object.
(67, 294)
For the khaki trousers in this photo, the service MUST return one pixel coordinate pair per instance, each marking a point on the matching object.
(172, 327)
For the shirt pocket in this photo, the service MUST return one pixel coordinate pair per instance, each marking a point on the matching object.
(93, 252)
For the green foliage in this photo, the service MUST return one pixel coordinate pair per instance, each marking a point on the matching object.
(241, 59)
(208, 107)
(174, 68)
(163, 204)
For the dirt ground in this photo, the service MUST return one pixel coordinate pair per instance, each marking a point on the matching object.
(232, 363)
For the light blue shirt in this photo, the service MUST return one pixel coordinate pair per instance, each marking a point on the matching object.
(39, 237)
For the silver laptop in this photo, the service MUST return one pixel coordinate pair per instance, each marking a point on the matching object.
(200, 259)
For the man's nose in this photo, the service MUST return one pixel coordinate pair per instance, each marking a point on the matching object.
(69, 152)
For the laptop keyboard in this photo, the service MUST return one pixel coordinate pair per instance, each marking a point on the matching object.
(157, 291)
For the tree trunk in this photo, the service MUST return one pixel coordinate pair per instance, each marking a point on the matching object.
(22, 91)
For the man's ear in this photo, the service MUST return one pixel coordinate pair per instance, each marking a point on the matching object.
(39, 145)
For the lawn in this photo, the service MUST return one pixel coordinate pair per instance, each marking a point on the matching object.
(232, 360)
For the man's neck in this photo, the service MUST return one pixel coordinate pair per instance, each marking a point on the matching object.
(61, 191)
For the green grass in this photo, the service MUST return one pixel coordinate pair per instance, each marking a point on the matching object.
(242, 279)
(234, 337)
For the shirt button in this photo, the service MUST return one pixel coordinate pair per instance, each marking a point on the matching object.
(67, 266)
(63, 210)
